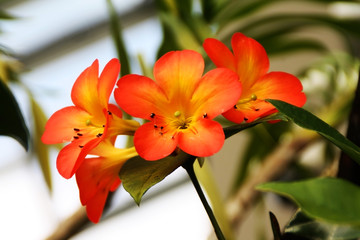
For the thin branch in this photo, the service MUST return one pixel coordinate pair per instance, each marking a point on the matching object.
(70, 226)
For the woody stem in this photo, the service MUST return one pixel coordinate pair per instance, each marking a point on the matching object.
(190, 170)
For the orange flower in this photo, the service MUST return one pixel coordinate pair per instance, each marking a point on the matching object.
(180, 105)
(96, 177)
(90, 121)
(251, 63)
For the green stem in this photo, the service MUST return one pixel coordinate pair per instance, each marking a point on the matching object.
(188, 165)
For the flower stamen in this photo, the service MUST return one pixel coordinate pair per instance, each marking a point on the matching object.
(253, 97)
(177, 114)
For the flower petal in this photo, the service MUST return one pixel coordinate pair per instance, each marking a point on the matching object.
(219, 53)
(94, 182)
(251, 59)
(151, 144)
(234, 115)
(275, 85)
(204, 139)
(107, 81)
(139, 96)
(72, 155)
(95, 207)
(84, 93)
(60, 126)
(216, 92)
(115, 110)
(178, 72)
(280, 86)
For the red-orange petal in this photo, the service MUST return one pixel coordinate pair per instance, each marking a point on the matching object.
(73, 154)
(275, 85)
(216, 92)
(87, 178)
(84, 93)
(281, 86)
(107, 81)
(219, 53)
(95, 207)
(251, 59)
(94, 184)
(234, 115)
(115, 110)
(60, 126)
(178, 72)
(204, 138)
(139, 96)
(151, 144)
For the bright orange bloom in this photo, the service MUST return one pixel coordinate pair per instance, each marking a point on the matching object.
(90, 121)
(180, 105)
(96, 177)
(251, 63)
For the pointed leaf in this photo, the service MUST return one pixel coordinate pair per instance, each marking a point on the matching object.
(12, 123)
(183, 35)
(307, 120)
(329, 199)
(138, 175)
(116, 33)
(275, 226)
(41, 149)
(312, 229)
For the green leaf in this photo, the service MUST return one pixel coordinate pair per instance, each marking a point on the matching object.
(183, 35)
(211, 7)
(229, 131)
(330, 199)
(307, 120)
(312, 229)
(41, 149)
(12, 123)
(116, 34)
(138, 175)
(5, 15)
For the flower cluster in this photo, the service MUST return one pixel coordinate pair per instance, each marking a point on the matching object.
(91, 127)
(180, 105)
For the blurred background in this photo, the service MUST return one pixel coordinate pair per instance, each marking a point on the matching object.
(45, 45)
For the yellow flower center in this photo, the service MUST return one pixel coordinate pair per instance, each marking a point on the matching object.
(180, 122)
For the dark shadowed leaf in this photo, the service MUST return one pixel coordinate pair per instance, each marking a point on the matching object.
(329, 199)
(303, 226)
(275, 226)
(307, 120)
(12, 123)
(138, 174)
